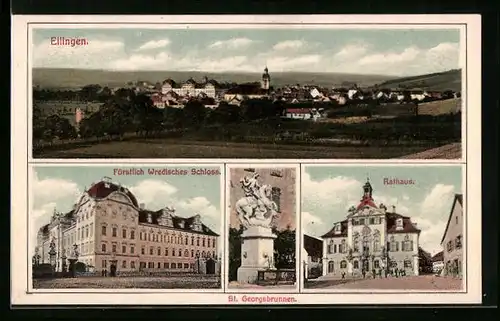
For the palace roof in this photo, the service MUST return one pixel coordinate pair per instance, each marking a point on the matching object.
(179, 223)
(102, 189)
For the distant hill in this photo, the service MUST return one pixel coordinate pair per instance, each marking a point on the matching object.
(75, 78)
(440, 81)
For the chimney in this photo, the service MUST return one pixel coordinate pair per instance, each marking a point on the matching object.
(141, 206)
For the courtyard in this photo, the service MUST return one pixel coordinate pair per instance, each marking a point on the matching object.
(423, 283)
(170, 282)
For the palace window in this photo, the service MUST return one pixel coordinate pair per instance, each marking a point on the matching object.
(150, 265)
(192, 240)
(132, 250)
(91, 229)
(87, 231)
(140, 236)
(186, 265)
(165, 265)
(331, 267)
(186, 253)
(159, 265)
(192, 253)
(203, 254)
(114, 232)
(124, 264)
(132, 235)
(166, 252)
(276, 197)
(151, 250)
(186, 240)
(124, 233)
(198, 241)
(343, 264)
(124, 249)
(173, 252)
(179, 265)
(104, 264)
(103, 247)
(159, 251)
(180, 252)
(376, 264)
(132, 264)
(203, 242)
(355, 264)
(172, 266)
(142, 265)
(113, 248)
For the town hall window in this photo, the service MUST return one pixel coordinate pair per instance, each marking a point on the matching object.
(276, 197)
(343, 247)
(376, 264)
(330, 247)
(331, 267)
(355, 264)
(343, 264)
(393, 245)
(407, 244)
(407, 264)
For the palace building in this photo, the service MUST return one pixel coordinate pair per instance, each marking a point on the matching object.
(190, 88)
(371, 239)
(109, 229)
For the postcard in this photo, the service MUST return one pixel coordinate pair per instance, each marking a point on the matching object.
(246, 160)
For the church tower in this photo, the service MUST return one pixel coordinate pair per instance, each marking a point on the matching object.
(266, 79)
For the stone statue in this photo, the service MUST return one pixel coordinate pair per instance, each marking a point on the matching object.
(256, 208)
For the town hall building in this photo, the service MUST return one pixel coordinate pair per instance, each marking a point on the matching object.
(108, 229)
(372, 239)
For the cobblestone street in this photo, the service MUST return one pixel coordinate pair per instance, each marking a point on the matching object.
(171, 282)
(424, 282)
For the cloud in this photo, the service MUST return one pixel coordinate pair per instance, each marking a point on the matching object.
(438, 201)
(407, 55)
(330, 191)
(97, 54)
(432, 232)
(141, 62)
(289, 45)
(156, 194)
(154, 44)
(286, 63)
(311, 224)
(235, 43)
(351, 51)
(48, 193)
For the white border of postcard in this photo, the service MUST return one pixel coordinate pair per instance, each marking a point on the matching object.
(471, 156)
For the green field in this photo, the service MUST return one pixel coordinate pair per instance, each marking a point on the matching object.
(448, 80)
(174, 148)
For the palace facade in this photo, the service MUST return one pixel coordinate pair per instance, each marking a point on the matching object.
(371, 239)
(108, 229)
(190, 88)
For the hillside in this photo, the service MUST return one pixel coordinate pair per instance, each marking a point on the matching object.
(448, 80)
(74, 78)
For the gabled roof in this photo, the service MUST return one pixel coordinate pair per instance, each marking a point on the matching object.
(458, 198)
(438, 257)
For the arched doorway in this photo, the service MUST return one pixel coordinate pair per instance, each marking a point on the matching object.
(331, 267)
(210, 266)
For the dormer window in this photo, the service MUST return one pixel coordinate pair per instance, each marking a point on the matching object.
(399, 223)
(106, 185)
(337, 229)
(150, 218)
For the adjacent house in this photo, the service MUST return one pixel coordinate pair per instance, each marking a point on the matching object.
(314, 263)
(452, 241)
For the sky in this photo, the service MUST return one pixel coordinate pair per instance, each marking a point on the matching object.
(60, 187)
(398, 52)
(328, 192)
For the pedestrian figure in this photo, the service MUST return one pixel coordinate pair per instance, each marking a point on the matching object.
(373, 273)
(343, 275)
(364, 274)
(105, 272)
(102, 272)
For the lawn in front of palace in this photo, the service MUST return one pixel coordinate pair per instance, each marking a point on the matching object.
(170, 282)
(423, 282)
